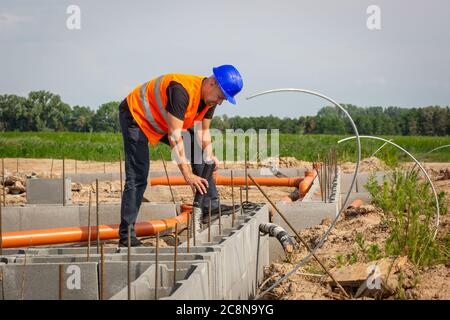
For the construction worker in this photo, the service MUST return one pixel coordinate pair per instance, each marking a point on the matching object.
(164, 110)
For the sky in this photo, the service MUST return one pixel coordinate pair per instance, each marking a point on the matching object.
(324, 46)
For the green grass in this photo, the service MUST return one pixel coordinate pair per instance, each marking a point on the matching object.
(410, 210)
(307, 147)
(106, 146)
(71, 145)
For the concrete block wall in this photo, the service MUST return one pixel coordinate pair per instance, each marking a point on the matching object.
(35, 217)
(40, 281)
(361, 180)
(239, 258)
(143, 288)
(228, 267)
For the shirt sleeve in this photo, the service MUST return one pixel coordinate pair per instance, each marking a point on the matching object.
(177, 100)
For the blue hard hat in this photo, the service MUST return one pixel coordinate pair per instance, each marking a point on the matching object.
(230, 81)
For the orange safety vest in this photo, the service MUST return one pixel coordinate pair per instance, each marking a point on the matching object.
(147, 104)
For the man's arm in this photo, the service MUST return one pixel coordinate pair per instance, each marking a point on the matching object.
(206, 144)
(175, 138)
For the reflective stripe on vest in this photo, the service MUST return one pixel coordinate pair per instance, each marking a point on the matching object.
(145, 104)
(158, 98)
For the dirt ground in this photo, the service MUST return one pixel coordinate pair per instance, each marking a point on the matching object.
(306, 283)
(310, 281)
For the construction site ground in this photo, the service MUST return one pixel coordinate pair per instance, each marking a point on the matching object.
(429, 283)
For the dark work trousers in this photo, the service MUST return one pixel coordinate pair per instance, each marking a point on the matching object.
(137, 163)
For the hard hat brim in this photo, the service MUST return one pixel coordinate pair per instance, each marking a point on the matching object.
(230, 99)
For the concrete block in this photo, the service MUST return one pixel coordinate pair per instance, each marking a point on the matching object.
(364, 196)
(244, 255)
(163, 257)
(51, 251)
(159, 194)
(228, 267)
(11, 219)
(41, 281)
(195, 287)
(305, 214)
(164, 250)
(16, 251)
(87, 178)
(362, 178)
(48, 191)
(156, 210)
(143, 288)
(35, 217)
(116, 275)
(300, 215)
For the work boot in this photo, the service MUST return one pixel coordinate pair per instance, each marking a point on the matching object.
(226, 210)
(135, 242)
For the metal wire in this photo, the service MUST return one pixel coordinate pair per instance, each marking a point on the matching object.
(420, 166)
(441, 147)
(324, 237)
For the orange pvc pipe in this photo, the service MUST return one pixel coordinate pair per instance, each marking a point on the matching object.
(224, 180)
(306, 184)
(355, 204)
(263, 181)
(80, 234)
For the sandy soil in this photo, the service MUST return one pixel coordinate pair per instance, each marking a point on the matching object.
(430, 283)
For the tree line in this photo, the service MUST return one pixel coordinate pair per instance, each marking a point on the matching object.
(45, 111)
(427, 121)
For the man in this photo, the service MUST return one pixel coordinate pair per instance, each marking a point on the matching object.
(161, 110)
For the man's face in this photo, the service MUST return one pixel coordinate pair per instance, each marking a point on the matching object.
(215, 95)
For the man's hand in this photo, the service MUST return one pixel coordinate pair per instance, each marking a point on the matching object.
(216, 163)
(197, 183)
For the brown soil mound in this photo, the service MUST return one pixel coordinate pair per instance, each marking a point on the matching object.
(366, 165)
